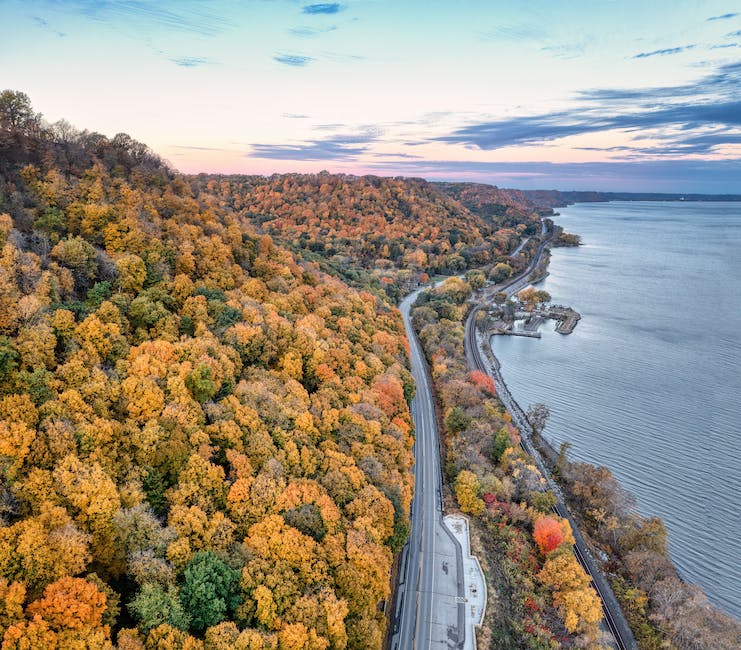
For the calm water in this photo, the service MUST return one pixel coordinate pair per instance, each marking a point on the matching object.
(649, 382)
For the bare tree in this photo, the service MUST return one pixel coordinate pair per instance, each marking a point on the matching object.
(537, 416)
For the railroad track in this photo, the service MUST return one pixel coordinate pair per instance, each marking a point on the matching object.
(613, 615)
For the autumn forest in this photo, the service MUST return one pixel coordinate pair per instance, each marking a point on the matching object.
(205, 433)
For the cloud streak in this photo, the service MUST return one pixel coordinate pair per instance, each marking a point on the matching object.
(693, 176)
(690, 119)
(522, 32)
(43, 24)
(338, 147)
(665, 52)
(293, 60)
(311, 32)
(177, 16)
(322, 8)
(190, 61)
(721, 17)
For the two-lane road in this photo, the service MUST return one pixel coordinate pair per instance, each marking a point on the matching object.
(429, 607)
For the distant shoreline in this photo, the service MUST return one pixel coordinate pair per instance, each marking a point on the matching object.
(549, 199)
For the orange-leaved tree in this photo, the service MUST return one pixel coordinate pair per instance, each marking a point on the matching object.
(548, 534)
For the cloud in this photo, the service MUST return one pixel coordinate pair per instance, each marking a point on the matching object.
(566, 50)
(175, 15)
(722, 17)
(694, 118)
(338, 57)
(665, 52)
(44, 24)
(523, 32)
(295, 60)
(722, 82)
(295, 116)
(322, 8)
(403, 156)
(311, 32)
(688, 176)
(338, 147)
(735, 34)
(190, 61)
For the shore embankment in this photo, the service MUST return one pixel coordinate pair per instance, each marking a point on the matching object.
(480, 356)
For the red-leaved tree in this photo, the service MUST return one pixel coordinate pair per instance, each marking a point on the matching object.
(547, 534)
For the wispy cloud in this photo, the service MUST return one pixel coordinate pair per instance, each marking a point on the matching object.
(722, 17)
(338, 57)
(295, 116)
(337, 147)
(190, 61)
(402, 156)
(693, 176)
(179, 16)
(311, 32)
(294, 60)
(735, 34)
(689, 119)
(322, 8)
(567, 50)
(44, 24)
(665, 52)
(522, 32)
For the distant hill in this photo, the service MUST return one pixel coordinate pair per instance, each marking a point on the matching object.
(379, 232)
(556, 199)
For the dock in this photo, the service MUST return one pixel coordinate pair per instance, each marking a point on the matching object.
(567, 318)
(529, 333)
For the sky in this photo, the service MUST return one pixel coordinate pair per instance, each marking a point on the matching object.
(617, 95)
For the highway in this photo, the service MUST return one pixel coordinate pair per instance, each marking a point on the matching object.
(429, 610)
(615, 620)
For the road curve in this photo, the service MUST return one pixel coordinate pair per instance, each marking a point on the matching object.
(614, 617)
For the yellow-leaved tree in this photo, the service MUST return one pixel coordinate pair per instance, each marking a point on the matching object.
(575, 600)
(467, 492)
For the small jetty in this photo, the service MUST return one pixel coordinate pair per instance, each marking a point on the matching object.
(527, 324)
(529, 333)
(567, 318)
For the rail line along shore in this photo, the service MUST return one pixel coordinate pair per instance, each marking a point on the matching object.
(480, 356)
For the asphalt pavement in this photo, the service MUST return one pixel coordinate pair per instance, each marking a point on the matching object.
(430, 599)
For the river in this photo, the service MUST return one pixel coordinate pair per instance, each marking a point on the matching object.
(649, 383)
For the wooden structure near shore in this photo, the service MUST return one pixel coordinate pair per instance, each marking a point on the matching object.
(566, 318)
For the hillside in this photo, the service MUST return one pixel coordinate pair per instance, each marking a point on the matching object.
(203, 436)
(504, 207)
(381, 233)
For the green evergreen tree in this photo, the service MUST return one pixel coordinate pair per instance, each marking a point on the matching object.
(154, 606)
(210, 591)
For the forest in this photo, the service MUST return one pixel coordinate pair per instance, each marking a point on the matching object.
(205, 434)
(206, 440)
(381, 234)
